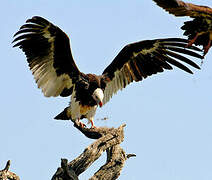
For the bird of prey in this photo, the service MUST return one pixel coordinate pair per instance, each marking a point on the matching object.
(198, 30)
(47, 49)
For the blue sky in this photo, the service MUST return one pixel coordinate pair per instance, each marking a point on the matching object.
(168, 116)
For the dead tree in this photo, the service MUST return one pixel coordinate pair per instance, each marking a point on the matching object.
(5, 174)
(108, 139)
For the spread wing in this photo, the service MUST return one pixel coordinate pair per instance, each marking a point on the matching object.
(139, 60)
(180, 8)
(48, 53)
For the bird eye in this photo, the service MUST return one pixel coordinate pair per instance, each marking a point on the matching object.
(86, 86)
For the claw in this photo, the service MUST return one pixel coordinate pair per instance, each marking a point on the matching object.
(82, 125)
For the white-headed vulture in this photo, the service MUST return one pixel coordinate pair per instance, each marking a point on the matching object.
(47, 49)
(198, 30)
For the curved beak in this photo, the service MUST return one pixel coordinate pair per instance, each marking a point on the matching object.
(100, 104)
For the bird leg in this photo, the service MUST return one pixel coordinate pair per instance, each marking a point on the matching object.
(82, 125)
(206, 48)
(92, 123)
(192, 41)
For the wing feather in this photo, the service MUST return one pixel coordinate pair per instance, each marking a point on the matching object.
(182, 58)
(185, 51)
(48, 53)
(139, 60)
(180, 8)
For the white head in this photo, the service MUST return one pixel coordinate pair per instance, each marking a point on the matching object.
(98, 96)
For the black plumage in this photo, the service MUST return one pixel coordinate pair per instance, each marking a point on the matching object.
(49, 56)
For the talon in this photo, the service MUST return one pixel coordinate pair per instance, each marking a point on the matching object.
(82, 125)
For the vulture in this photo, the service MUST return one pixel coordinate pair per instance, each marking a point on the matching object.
(49, 56)
(198, 30)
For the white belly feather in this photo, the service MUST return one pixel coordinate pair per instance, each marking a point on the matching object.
(75, 110)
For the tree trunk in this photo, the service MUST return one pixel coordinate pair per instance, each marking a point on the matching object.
(108, 139)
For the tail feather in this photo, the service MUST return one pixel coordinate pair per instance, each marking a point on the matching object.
(63, 115)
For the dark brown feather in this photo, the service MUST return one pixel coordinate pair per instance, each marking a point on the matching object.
(139, 60)
(198, 30)
(180, 8)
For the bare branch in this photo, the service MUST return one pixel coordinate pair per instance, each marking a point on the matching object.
(94, 151)
(5, 174)
(130, 155)
(94, 133)
(64, 172)
(109, 140)
(116, 158)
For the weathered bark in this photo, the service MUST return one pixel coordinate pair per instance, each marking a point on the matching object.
(108, 139)
(64, 172)
(5, 174)
(116, 158)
